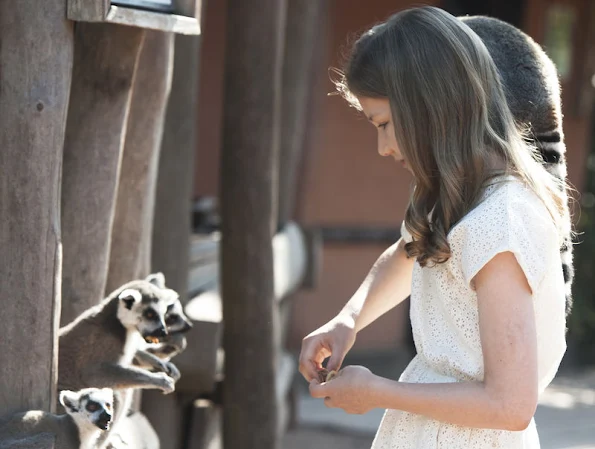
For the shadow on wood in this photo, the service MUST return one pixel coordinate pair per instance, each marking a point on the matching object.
(105, 60)
(130, 249)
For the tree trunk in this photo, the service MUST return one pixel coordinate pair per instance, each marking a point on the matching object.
(254, 45)
(105, 61)
(36, 54)
(133, 221)
(300, 63)
(172, 221)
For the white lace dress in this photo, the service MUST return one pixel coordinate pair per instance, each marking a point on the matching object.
(444, 315)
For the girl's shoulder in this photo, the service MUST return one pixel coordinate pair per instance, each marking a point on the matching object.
(505, 198)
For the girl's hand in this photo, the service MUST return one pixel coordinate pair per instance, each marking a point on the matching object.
(334, 339)
(353, 390)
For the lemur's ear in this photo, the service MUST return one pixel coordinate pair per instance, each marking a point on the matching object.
(69, 399)
(157, 279)
(129, 297)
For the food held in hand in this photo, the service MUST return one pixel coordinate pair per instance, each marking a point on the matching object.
(325, 375)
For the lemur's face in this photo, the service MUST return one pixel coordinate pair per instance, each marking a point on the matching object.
(143, 307)
(90, 406)
(151, 308)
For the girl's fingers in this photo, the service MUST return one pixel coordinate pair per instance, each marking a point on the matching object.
(318, 390)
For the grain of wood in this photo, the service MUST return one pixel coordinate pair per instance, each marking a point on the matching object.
(105, 60)
(36, 54)
(254, 47)
(130, 250)
(301, 63)
(87, 10)
(172, 218)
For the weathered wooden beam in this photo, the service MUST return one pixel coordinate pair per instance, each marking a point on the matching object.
(36, 54)
(300, 63)
(86, 10)
(105, 60)
(132, 229)
(254, 46)
(172, 218)
(171, 23)
(184, 19)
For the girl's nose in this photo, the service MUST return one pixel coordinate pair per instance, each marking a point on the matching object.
(383, 149)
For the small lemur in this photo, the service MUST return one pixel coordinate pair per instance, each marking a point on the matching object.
(533, 94)
(88, 415)
(98, 347)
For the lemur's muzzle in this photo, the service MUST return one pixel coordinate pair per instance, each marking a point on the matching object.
(104, 421)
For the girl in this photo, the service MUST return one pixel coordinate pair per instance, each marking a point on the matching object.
(479, 252)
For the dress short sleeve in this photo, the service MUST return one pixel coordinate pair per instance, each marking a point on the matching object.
(511, 220)
(405, 235)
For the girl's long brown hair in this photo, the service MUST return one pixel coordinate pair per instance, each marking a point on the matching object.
(451, 119)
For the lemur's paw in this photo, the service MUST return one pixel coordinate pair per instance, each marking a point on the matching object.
(172, 371)
(166, 384)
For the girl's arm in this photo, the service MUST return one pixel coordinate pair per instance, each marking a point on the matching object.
(505, 399)
(387, 285)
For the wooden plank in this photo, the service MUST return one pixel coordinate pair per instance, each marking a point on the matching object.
(153, 20)
(305, 24)
(172, 218)
(36, 65)
(132, 228)
(251, 111)
(87, 10)
(105, 60)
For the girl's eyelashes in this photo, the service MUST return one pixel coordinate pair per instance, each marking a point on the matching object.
(382, 125)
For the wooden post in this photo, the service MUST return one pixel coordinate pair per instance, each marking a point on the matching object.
(302, 35)
(172, 220)
(105, 60)
(35, 66)
(254, 45)
(130, 248)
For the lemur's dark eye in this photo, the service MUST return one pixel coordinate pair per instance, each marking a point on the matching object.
(171, 319)
(92, 406)
(150, 314)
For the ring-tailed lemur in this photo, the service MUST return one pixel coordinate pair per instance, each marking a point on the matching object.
(98, 347)
(88, 414)
(533, 94)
